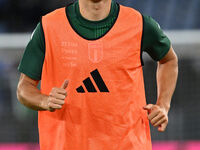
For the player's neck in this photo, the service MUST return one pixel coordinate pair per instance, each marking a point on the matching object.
(95, 10)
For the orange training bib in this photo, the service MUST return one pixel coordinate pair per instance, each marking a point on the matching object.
(104, 106)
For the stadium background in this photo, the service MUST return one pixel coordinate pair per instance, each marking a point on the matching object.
(180, 19)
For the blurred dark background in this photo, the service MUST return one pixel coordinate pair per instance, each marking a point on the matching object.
(22, 16)
(180, 18)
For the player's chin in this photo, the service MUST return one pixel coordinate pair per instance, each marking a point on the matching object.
(95, 1)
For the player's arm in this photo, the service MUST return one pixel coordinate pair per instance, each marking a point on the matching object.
(31, 70)
(167, 72)
(29, 95)
(158, 46)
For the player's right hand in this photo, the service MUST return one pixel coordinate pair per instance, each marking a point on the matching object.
(56, 98)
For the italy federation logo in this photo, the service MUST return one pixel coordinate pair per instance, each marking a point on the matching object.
(90, 86)
(95, 51)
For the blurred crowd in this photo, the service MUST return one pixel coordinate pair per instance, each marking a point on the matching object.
(22, 16)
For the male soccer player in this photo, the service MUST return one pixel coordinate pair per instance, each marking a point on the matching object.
(92, 97)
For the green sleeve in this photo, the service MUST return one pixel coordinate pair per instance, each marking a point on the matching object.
(33, 58)
(154, 41)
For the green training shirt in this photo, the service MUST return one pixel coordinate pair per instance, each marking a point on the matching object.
(154, 41)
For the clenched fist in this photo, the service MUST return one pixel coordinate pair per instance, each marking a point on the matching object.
(158, 116)
(56, 98)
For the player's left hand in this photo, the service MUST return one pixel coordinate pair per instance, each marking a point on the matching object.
(158, 116)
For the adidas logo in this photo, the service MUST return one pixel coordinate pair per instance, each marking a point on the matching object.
(89, 85)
